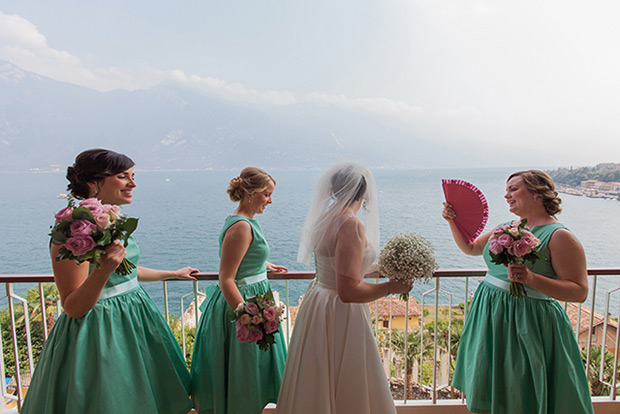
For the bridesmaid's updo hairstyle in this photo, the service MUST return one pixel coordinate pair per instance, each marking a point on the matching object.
(251, 180)
(539, 182)
(92, 166)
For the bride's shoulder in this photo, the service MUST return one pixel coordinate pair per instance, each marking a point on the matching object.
(351, 225)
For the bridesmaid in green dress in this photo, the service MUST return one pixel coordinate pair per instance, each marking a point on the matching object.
(520, 355)
(229, 376)
(111, 350)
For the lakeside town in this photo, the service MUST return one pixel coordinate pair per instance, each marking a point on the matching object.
(601, 181)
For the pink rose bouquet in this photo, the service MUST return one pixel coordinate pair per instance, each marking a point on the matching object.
(257, 320)
(514, 243)
(84, 230)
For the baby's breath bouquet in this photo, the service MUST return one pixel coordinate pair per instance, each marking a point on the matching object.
(407, 256)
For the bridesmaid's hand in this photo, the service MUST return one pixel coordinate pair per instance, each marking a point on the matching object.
(519, 273)
(271, 268)
(447, 213)
(184, 273)
(114, 255)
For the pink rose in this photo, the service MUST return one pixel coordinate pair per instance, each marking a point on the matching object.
(64, 214)
(243, 332)
(103, 221)
(521, 248)
(271, 326)
(93, 205)
(79, 245)
(113, 211)
(279, 311)
(269, 313)
(245, 319)
(514, 231)
(251, 308)
(81, 228)
(505, 240)
(255, 335)
(531, 241)
(256, 319)
(495, 247)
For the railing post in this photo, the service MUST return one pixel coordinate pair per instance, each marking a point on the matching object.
(434, 391)
(18, 380)
(43, 311)
(195, 282)
(614, 381)
(590, 328)
(166, 309)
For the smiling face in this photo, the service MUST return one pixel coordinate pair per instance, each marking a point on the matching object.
(115, 189)
(261, 199)
(520, 199)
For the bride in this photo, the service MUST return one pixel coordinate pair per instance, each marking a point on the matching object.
(333, 363)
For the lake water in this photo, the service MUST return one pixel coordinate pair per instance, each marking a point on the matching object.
(181, 214)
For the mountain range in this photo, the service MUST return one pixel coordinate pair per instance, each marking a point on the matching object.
(44, 123)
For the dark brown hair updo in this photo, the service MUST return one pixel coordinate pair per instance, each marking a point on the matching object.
(92, 166)
(251, 180)
(539, 182)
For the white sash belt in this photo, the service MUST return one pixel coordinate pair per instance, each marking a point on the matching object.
(251, 279)
(504, 285)
(119, 289)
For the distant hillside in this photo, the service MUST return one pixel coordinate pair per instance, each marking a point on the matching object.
(45, 123)
(608, 172)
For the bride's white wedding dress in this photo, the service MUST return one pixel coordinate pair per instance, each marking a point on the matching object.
(333, 364)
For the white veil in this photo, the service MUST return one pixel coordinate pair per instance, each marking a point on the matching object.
(336, 190)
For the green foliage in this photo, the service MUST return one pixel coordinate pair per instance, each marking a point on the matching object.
(597, 387)
(574, 176)
(190, 336)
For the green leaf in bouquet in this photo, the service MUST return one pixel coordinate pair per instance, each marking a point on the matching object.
(268, 296)
(64, 253)
(58, 238)
(105, 238)
(82, 213)
(130, 225)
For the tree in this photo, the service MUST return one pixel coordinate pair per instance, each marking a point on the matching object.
(414, 348)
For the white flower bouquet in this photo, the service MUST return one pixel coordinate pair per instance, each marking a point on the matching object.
(407, 256)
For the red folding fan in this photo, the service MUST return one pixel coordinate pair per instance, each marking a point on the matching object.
(470, 206)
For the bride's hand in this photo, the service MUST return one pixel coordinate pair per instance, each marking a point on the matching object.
(447, 213)
(400, 286)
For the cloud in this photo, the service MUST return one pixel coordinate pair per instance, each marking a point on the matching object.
(234, 91)
(378, 106)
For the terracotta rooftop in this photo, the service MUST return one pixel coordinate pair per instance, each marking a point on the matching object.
(584, 322)
(398, 306)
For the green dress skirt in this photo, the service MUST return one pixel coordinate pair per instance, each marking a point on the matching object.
(121, 357)
(520, 356)
(229, 376)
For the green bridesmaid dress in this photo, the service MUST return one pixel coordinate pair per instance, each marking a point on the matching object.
(121, 357)
(520, 355)
(229, 376)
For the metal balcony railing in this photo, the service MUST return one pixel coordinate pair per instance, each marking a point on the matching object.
(598, 333)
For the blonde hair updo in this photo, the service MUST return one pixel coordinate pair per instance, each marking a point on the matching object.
(540, 183)
(251, 180)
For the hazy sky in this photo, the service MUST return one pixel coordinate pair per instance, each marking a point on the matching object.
(541, 78)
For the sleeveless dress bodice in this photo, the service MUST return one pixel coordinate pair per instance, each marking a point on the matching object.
(541, 266)
(326, 267)
(253, 262)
